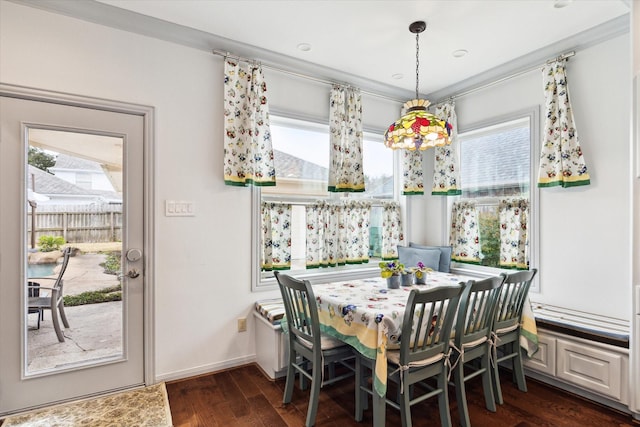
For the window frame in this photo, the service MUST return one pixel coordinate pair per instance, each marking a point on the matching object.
(533, 116)
(338, 273)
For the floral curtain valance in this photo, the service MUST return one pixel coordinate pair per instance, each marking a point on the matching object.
(337, 233)
(276, 236)
(446, 170)
(465, 232)
(345, 127)
(248, 153)
(514, 234)
(561, 159)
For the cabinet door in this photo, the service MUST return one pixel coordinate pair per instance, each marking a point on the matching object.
(592, 368)
(544, 360)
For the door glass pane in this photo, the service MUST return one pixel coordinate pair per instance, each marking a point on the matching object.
(74, 196)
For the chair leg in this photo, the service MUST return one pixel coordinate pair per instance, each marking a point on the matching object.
(497, 389)
(56, 324)
(519, 370)
(461, 396)
(487, 388)
(63, 315)
(404, 400)
(316, 383)
(291, 378)
(443, 400)
(360, 395)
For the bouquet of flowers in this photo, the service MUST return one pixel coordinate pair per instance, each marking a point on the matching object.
(390, 268)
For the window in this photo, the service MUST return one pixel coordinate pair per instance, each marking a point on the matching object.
(301, 156)
(497, 164)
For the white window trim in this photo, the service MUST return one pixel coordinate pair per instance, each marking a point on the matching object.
(322, 275)
(533, 114)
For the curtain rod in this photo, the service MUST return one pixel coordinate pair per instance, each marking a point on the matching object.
(304, 76)
(503, 79)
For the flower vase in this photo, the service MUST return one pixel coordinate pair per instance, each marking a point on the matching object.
(393, 282)
(407, 278)
(421, 277)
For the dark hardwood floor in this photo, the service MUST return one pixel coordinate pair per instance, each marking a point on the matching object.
(244, 396)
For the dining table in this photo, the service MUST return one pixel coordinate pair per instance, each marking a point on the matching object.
(368, 316)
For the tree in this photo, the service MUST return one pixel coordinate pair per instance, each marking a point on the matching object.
(40, 159)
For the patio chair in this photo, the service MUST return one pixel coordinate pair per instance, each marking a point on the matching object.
(307, 344)
(51, 300)
(33, 290)
(508, 325)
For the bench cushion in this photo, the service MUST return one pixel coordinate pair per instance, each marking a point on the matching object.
(582, 325)
(271, 309)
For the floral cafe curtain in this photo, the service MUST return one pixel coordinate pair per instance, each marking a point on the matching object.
(514, 240)
(465, 232)
(345, 127)
(392, 234)
(412, 176)
(561, 159)
(337, 233)
(248, 153)
(446, 170)
(276, 236)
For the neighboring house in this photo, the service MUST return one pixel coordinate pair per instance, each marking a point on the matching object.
(83, 173)
(50, 189)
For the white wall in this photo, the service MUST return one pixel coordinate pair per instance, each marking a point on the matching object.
(584, 231)
(203, 262)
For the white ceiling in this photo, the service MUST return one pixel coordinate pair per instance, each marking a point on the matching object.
(367, 42)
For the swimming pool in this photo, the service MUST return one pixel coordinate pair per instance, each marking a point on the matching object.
(40, 270)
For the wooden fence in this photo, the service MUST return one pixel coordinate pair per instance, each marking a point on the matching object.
(77, 223)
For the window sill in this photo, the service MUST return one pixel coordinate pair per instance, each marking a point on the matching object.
(316, 276)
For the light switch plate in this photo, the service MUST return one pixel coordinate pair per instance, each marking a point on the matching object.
(179, 208)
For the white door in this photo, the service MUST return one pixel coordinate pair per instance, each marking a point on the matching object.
(98, 179)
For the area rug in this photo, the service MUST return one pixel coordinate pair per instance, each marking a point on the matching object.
(144, 407)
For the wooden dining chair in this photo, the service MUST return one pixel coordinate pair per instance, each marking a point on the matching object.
(508, 326)
(472, 341)
(50, 297)
(307, 344)
(423, 354)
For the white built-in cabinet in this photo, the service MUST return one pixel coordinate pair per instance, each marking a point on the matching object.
(595, 370)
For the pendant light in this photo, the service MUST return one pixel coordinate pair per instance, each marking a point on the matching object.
(417, 129)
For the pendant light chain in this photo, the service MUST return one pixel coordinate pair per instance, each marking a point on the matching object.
(417, 62)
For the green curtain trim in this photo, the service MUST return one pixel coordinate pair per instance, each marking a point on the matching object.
(447, 193)
(513, 267)
(395, 258)
(281, 267)
(564, 184)
(334, 189)
(250, 182)
(413, 193)
(464, 261)
(235, 183)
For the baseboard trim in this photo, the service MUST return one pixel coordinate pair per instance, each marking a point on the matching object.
(206, 369)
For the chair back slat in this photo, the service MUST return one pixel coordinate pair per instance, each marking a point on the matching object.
(300, 308)
(427, 323)
(477, 310)
(512, 298)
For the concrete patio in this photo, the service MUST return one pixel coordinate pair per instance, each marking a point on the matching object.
(95, 331)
